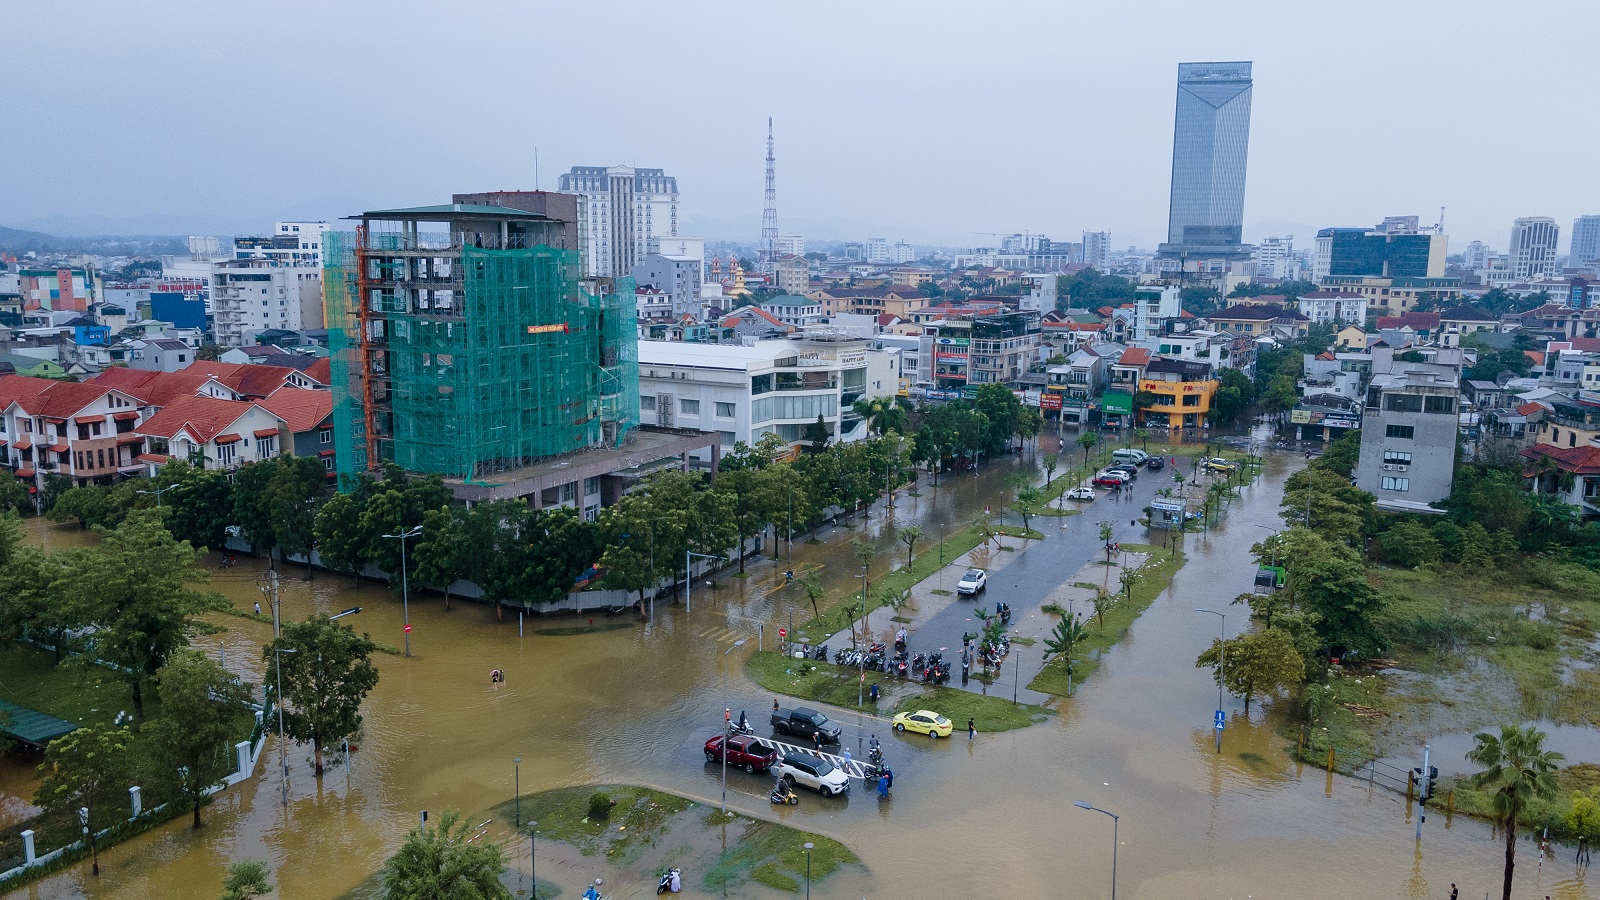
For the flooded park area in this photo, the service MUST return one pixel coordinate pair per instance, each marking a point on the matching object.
(610, 699)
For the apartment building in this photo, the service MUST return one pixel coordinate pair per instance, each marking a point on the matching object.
(1409, 425)
(1334, 307)
(84, 431)
(249, 296)
(625, 210)
(1183, 392)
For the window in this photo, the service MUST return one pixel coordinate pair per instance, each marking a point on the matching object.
(225, 453)
(1439, 405)
(94, 428)
(1396, 458)
(689, 407)
(725, 410)
(569, 492)
(1404, 432)
(647, 404)
(327, 463)
(325, 436)
(267, 447)
(760, 384)
(591, 486)
(1389, 483)
(727, 438)
(1410, 403)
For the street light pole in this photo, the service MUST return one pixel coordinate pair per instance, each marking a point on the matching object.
(533, 864)
(727, 722)
(688, 576)
(283, 747)
(516, 774)
(1114, 822)
(809, 847)
(158, 492)
(1222, 668)
(405, 587)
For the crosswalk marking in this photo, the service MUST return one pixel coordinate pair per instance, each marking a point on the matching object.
(854, 768)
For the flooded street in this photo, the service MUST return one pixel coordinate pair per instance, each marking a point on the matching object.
(634, 704)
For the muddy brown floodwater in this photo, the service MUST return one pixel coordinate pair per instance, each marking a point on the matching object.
(990, 817)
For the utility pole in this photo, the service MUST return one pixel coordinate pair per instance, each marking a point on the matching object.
(1424, 785)
(269, 589)
(769, 211)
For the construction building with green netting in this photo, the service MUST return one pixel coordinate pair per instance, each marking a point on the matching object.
(464, 342)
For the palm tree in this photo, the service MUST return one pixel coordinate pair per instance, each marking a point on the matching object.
(1518, 770)
(1086, 440)
(1068, 633)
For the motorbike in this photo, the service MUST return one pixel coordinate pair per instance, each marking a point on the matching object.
(919, 662)
(821, 653)
(735, 729)
(671, 882)
(875, 754)
(784, 794)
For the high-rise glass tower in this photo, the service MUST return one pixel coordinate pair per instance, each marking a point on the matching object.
(1585, 241)
(1209, 143)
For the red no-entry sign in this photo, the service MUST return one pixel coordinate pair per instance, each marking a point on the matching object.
(783, 632)
(408, 628)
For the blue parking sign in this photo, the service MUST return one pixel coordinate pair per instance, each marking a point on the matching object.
(1221, 719)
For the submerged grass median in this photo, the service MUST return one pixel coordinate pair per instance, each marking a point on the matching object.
(1154, 577)
(645, 831)
(821, 682)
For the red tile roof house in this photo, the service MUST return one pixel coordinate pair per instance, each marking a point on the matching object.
(211, 434)
(84, 431)
(253, 382)
(1547, 467)
(308, 417)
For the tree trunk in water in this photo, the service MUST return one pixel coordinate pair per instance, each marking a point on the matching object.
(308, 565)
(447, 598)
(316, 747)
(197, 812)
(1511, 855)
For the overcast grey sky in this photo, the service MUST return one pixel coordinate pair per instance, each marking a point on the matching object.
(903, 119)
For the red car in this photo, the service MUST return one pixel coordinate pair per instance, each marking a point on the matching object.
(1110, 479)
(743, 750)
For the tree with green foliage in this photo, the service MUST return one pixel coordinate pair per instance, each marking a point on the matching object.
(1102, 601)
(199, 504)
(746, 478)
(33, 582)
(1027, 500)
(1091, 289)
(136, 588)
(812, 585)
(252, 510)
(1068, 634)
(394, 505)
(1327, 503)
(86, 770)
(89, 504)
(1003, 411)
(297, 485)
(1051, 462)
(446, 552)
(443, 863)
(1517, 770)
(1263, 606)
(1260, 662)
(14, 496)
(883, 414)
(1582, 820)
(531, 556)
(342, 544)
(909, 535)
(245, 880)
(627, 545)
(1105, 538)
(1087, 440)
(193, 737)
(1409, 544)
(1280, 396)
(1201, 300)
(1335, 588)
(817, 435)
(1142, 435)
(327, 672)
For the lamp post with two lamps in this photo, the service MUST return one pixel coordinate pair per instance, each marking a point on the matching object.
(158, 492)
(726, 723)
(405, 587)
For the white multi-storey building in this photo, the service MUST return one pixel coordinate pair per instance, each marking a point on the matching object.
(1334, 307)
(791, 245)
(290, 244)
(877, 250)
(249, 296)
(778, 386)
(625, 211)
(902, 252)
(1275, 257)
(1476, 256)
(1096, 247)
(1533, 247)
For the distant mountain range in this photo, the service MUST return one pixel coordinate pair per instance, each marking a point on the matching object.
(18, 241)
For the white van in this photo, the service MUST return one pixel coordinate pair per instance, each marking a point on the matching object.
(1130, 455)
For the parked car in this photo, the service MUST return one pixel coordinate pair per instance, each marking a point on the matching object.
(1130, 455)
(1112, 478)
(1082, 492)
(744, 751)
(973, 582)
(923, 721)
(1219, 465)
(1155, 463)
(1128, 469)
(814, 772)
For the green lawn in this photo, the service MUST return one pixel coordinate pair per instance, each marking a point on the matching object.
(837, 686)
(86, 695)
(766, 852)
(1157, 573)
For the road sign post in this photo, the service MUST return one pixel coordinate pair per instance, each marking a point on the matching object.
(1222, 719)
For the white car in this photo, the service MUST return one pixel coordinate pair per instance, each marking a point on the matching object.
(1082, 492)
(814, 772)
(973, 582)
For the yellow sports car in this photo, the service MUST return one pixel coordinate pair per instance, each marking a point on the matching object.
(924, 720)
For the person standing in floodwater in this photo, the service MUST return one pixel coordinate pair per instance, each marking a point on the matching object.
(972, 730)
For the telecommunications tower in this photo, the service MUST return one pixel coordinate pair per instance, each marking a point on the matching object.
(769, 214)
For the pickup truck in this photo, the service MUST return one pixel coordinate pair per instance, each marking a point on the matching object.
(744, 750)
(804, 723)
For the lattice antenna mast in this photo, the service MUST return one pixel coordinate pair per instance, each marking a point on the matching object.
(769, 214)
